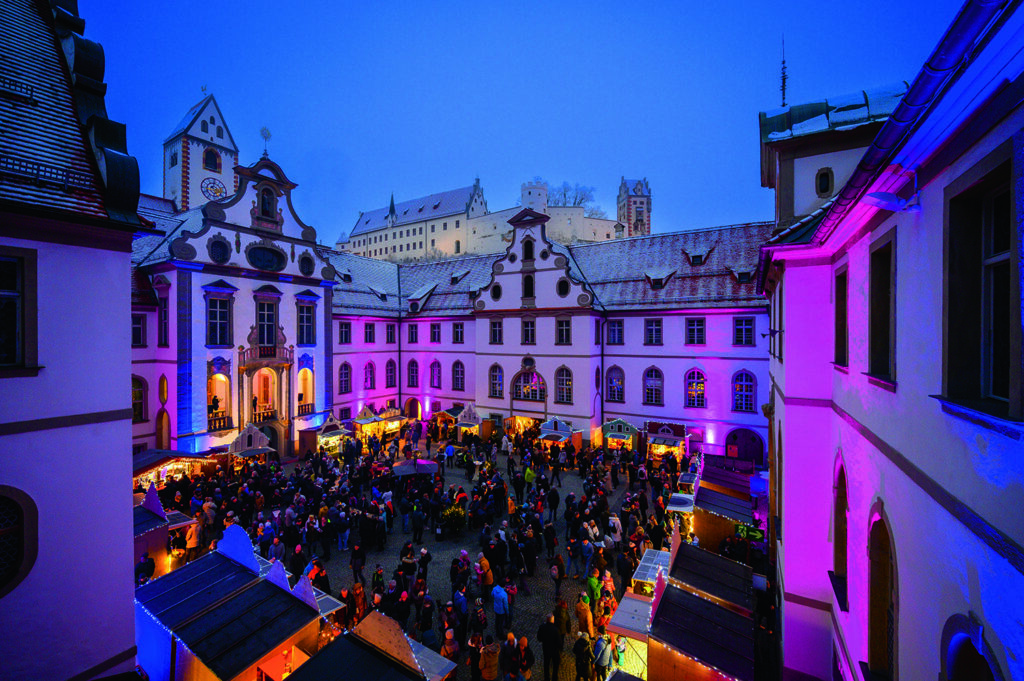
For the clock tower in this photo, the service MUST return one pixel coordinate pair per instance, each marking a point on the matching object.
(199, 157)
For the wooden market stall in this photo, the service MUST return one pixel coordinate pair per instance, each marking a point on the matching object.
(620, 434)
(717, 516)
(665, 439)
(557, 431)
(631, 621)
(250, 444)
(157, 466)
(152, 527)
(733, 483)
(470, 422)
(516, 425)
(330, 436)
(218, 619)
(716, 578)
(646, 573)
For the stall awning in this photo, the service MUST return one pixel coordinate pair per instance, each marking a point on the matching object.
(148, 459)
(680, 503)
(631, 617)
(466, 424)
(714, 575)
(413, 467)
(701, 629)
(176, 519)
(618, 436)
(366, 422)
(652, 561)
(725, 505)
(666, 440)
(554, 437)
(252, 453)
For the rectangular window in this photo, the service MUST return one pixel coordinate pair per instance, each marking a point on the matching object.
(163, 322)
(389, 333)
(743, 331)
(597, 332)
(695, 331)
(266, 324)
(18, 318)
(458, 332)
(369, 332)
(529, 332)
(435, 332)
(882, 315)
(218, 321)
(841, 337)
(414, 333)
(497, 335)
(616, 331)
(563, 332)
(307, 326)
(345, 413)
(652, 332)
(456, 224)
(344, 333)
(138, 330)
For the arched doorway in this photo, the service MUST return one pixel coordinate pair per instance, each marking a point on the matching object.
(883, 624)
(163, 429)
(275, 441)
(264, 392)
(305, 386)
(413, 410)
(745, 444)
(966, 663)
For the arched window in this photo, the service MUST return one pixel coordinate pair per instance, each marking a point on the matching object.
(220, 131)
(563, 386)
(616, 385)
(528, 249)
(529, 386)
(267, 202)
(743, 392)
(345, 378)
(369, 376)
(138, 400)
(496, 382)
(435, 374)
(390, 374)
(204, 126)
(413, 374)
(882, 616)
(654, 387)
(19, 520)
(458, 376)
(695, 389)
(527, 286)
(458, 246)
(211, 160)
(839, 538)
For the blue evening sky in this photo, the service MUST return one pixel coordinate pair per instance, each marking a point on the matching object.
(368, 98)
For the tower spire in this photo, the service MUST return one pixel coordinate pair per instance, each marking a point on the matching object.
(784, 76)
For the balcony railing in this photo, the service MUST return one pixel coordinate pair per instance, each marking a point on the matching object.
(306, 409)
(218, 420)
(264, 414)
(257, 353)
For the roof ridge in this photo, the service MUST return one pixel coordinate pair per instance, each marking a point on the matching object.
(587, 244)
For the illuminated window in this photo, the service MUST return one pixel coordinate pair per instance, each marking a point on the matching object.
(616, 385)
(742, 392)
(496, 381)
(529, 386)
(695, 389)
(654, 387)
(563, 386)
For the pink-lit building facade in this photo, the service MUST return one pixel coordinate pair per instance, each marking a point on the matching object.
(897, 396)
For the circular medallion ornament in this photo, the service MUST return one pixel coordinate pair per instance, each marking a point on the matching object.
(220, 251)
(213, 188)
(306, 265)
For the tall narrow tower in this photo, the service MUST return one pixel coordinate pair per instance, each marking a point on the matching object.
(634, 207)
(199, 157)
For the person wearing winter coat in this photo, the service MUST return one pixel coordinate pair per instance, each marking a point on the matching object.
(602, 655)
(526, 659)
(584, 617)
(594, 589)
(563, 620)
(489, 659)
(552, 641)
(584, 655)
(450, 651)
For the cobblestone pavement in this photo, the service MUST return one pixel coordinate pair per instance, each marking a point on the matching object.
(529, 611)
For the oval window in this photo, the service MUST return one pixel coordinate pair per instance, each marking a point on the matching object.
(496, 292)
(220, 251)
(562, 287)
(306, 265)
(263, 258)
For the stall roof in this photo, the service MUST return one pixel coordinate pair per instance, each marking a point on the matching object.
(618, 436)
(734, 480)
(669, 440)
(680, 503)
(715, 575)
(325, 602)
(708, 632)
(631, 617)
(251, 623)
(148, 459)
(254, 452)
(554, 437)
(454, 411)
(367, 421)
(176, 519)
(145, 520)
(647, 570)
(725, 505)
(387, 636)
(337, 660)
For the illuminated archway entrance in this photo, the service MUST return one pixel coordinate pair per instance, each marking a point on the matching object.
(745, 444)
(413, 409)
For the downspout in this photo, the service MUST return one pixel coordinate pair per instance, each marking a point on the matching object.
(952, 55)
(398, 334)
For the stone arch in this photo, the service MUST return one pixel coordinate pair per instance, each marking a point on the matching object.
(883, 594)
(965, 653)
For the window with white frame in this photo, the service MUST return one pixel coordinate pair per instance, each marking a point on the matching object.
(391, 374)
(529, 332)
(654, 387)
(743, 392)
(563, 332)
(695, 331)
(389, 333)
(695, 384)
(616, 391)
(616, 331)
(652, 332)
(529, 386)
(496, 382)
(435, 332)
(414, 333)
(458, 376)
(563, 386)
(344, 333)
(369, 376)
(458, 332)
(435, 374)
(413, 374)
(369, 332)
(497, 332)
(743, 331)
(345, 378)
(306, 325)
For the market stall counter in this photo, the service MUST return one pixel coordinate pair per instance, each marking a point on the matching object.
(631, 621)
(157, 466)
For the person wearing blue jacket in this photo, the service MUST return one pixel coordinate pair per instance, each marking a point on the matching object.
(602, 654)
(500, 609)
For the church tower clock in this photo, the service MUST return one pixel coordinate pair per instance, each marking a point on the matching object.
(199, 157)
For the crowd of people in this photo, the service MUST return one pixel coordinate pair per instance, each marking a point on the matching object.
(510, 502)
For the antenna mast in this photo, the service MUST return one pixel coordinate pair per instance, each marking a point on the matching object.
(783, 74)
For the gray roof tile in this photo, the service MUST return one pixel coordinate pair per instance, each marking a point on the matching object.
(425, 208)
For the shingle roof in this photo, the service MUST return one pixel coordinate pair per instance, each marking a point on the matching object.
(360, 281)
(631, 187)
(425, 208)
(447, 297)
(843, 112)
(188, 119)
(612, 269)
(44, 160)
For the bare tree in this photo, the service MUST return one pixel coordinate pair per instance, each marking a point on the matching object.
(577, 194)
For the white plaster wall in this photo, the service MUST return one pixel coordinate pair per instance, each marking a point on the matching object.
(805, 169)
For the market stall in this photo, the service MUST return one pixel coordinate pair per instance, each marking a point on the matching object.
(556, 431)
(329, 437)
(665, 439)
(646, 573)
(713, 577)
(619, 434)
(718, 516)
(470, 422)
(366, 423)
(152, 527)
(157, 466)
(414, 467)
(631, 621)
(251, 444)
(517, 425)
(680, 509)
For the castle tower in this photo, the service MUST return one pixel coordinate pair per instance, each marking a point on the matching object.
(634, 206)
(535, 196)
(199, 157)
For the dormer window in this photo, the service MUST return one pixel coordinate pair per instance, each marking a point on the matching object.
(211, 160)
(267, 202)
(204, 126)
(697, 259)
(220, 132)
(824, 183)
(743, 277)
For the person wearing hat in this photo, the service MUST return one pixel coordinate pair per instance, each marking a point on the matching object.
(584, 655)
(450, 651)
(478, 619)
(584, 617)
